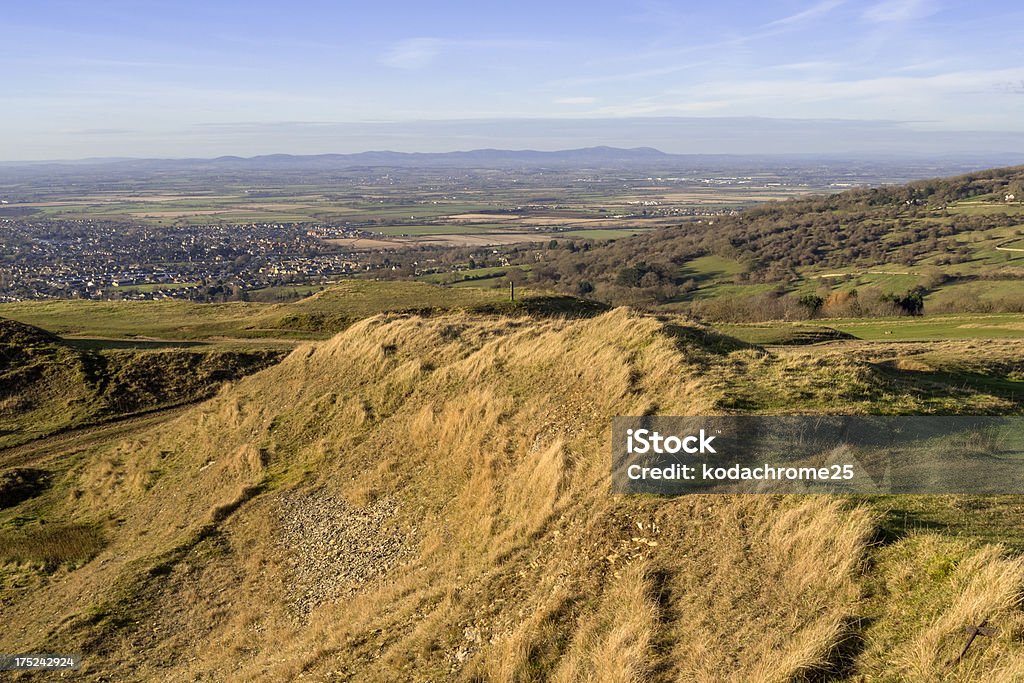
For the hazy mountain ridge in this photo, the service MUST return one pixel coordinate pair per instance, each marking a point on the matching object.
(601, 156)
(497, 158)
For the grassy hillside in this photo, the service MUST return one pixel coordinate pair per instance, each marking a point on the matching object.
(958, 239)
(315, 317)
(48, 385)
(903, 328)
(426, 498)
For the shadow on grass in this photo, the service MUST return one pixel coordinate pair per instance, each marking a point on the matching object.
(928, 381)
(986, 519)
(842, 664)
(713, 341)
(87, 344)
(544, 306)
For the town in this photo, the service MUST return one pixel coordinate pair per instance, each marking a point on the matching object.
(92, 259)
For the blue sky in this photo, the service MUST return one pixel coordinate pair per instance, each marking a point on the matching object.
(185, 78)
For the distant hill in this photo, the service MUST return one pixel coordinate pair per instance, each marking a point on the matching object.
(479, 158)
(598, 157)
(960, 240)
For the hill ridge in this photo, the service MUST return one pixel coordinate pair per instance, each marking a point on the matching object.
(470, 453)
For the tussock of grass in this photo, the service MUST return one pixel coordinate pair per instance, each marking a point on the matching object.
(614, 642)
(931, 589)
(50, 544)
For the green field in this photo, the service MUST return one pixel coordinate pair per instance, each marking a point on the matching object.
(318, 316)
(302, 203)
(968, 207)
(966, 326)
(906, 328)
(980, 290)
(442, 229)
(338, 305)
(599, 233)
(482, 277)
(284, 293)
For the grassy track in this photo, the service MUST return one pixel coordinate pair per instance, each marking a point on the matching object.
(967, 326)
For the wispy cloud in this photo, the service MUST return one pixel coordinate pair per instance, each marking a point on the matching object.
(417, 53)
(815, 11)
(929, 65)
(414, 53)
(784, 25)
(621, 76)
(575, 100)
(905, 94)
(807, 67)
(895, 11)
(98, 131)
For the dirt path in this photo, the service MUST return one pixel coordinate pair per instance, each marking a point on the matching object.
(48, 448)
(863, 272)
(174, 343)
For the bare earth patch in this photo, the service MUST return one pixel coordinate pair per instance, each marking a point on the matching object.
(479, 217)
(335, 547)
(993, 326)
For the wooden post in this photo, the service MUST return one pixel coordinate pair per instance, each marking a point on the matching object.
(972, 633)
(511, 291)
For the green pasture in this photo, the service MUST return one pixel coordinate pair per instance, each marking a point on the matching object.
(314, 317)
(938, 327)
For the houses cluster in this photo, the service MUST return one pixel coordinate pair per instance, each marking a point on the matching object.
(43, 258)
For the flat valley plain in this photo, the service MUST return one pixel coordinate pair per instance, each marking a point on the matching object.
(400, 208)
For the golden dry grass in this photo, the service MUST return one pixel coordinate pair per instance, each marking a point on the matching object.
(50, 544)
(486, 443)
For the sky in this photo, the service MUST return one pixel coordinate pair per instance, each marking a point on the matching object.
(181, 78)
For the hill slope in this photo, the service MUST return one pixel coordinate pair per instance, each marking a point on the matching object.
(958, 239)
(319, 316)
(48, 385)
(426, 499)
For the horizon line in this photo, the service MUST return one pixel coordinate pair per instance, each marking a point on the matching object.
(836, 155)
